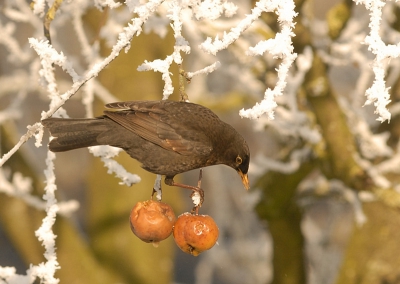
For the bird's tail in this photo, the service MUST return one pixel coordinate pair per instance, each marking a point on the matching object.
(71, 134)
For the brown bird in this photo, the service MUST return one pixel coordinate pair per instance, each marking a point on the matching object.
(166, 137)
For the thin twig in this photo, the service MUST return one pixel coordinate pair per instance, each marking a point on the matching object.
(182, 78)
(50, 15)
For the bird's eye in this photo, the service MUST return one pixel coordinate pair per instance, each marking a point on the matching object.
(238, 160)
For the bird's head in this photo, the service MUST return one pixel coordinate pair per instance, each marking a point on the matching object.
(239, 159)
(242, 167)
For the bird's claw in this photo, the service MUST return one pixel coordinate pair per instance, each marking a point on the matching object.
(197, 192)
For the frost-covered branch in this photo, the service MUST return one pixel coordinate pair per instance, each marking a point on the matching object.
(181, 45)
(263, 164)
(279, 47)
(216, 45)
(33, 130)
(21, 187)
(46, 271)
(206, 70)
(378, 93)
(106, 153)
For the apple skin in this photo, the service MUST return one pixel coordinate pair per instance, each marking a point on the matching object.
(194, 234)
(152, 221)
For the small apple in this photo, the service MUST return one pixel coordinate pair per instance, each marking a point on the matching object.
(152, 221)
(195, 233)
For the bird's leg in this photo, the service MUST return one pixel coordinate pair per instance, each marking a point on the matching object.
(197, 192)
(157, 188)
(200, 177)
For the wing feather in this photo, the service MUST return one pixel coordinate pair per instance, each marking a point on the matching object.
(151, 121)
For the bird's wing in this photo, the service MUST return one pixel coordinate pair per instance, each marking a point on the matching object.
(154, 123)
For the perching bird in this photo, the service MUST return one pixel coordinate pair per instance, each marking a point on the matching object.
(166, 137)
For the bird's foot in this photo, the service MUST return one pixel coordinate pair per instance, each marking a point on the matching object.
(197, 192)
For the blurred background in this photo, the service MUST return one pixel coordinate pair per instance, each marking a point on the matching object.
(323, 204)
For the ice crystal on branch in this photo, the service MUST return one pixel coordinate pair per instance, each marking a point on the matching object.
(50, 56)
(378, 93)
(107, 153)
(279, 47)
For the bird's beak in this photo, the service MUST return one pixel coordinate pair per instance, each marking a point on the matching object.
(245, 180)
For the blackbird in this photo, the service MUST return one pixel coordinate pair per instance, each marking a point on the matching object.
(166, 137)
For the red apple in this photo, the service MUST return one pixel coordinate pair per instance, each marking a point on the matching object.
(195, 233)
(152, 221)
